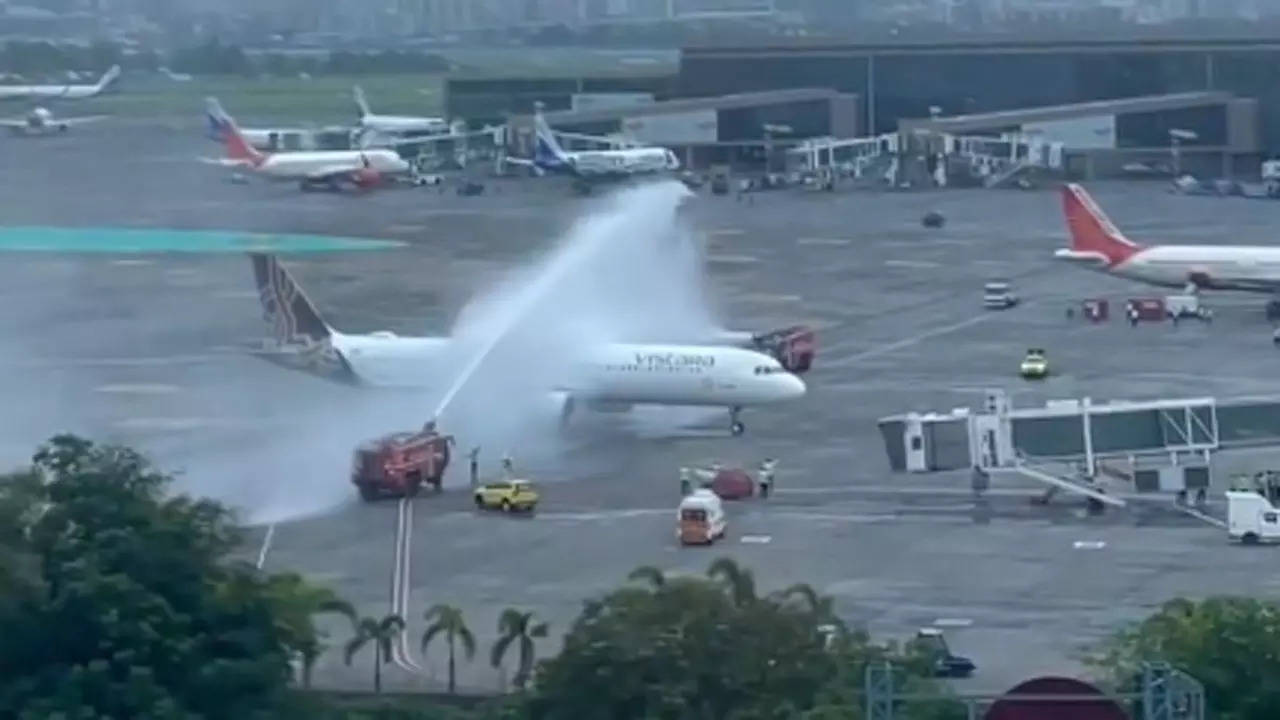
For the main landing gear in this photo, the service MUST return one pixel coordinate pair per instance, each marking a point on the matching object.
(735, 426)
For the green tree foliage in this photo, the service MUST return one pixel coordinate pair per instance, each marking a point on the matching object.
(1227, 643)
(298, 605)
(382, 633)
(689, 648)
(120, 601)
(446, 621)
(518, 629)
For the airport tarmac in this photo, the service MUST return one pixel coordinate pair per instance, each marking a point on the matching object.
(142, 349)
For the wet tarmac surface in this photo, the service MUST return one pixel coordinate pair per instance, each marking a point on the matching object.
(142, 349)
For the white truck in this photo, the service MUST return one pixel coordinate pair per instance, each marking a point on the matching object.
(996, 295)
(1186, 306)
(1251, 518)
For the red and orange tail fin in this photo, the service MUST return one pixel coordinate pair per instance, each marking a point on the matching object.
(1091, 230)
(237, 147)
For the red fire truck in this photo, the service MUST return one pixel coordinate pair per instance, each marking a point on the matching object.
(793, 347)
(397, 465)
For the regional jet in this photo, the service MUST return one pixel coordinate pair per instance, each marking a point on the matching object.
(1098, 244)
(609, 376)
(42, 122)
(59, 92)
(549, 156)
(334, 169)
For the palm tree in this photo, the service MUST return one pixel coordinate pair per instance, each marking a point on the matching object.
(382, 633)
(447, 620)
(517, 627)
(649, 575)
(739, 581)
(299, 604)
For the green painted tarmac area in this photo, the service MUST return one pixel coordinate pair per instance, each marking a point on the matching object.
(142, 241)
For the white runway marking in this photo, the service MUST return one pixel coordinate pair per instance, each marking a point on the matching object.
(725, 232)
(756, 539)
(604, 514)
(164, 423)
(1089, 544)
(769, 298)
(113, 362)
(829, 242)
(953, 622)
(733, 259)
(908, 342)
(138, 389)
(912, 263)
(236, 294)
(132, 263)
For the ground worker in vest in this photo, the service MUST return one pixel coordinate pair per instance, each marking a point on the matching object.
(767, 469)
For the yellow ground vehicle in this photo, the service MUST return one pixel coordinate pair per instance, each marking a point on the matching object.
(507, 496)
(1035, 365)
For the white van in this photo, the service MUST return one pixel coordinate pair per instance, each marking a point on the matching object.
(1251, 519)
(700, 519)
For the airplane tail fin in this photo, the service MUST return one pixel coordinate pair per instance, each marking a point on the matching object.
(285, 308)
(1092, 232)
(300, 339)
(358, 93)
(107, 78)
(547, 150)
(224, 128)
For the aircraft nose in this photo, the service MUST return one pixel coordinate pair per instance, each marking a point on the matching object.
(792, 387)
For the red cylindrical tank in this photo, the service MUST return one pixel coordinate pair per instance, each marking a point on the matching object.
(1103, 708)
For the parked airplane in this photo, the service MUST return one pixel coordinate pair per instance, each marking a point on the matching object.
(61, 92)
(549, 156)
(614, 374)
(318, 168)
(42, 122)
(395, 124)
(1096, 242)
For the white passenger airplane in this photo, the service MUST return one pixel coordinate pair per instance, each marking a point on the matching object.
(60, 92)
(42, 122)
(1097, 243)
(395, 124)
(548, 156)
(332, 168)
(611, 375)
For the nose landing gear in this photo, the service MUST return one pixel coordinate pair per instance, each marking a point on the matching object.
(735, 426)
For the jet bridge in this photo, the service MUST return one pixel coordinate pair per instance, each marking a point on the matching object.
(1150, 446)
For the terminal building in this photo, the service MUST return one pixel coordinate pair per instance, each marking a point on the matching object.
(906, 80)
(1213, 133)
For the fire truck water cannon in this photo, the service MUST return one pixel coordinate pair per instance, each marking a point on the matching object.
(793, 347)
(399, 464)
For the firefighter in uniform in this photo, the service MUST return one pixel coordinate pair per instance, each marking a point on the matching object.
(686, 481)
(475, 466)
(508, 466)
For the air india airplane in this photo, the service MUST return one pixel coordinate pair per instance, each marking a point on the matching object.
(1097, 243)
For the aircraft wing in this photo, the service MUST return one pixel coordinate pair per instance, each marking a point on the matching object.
(331, 172)
(226, 162)
(79, 120)
(13, 123)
